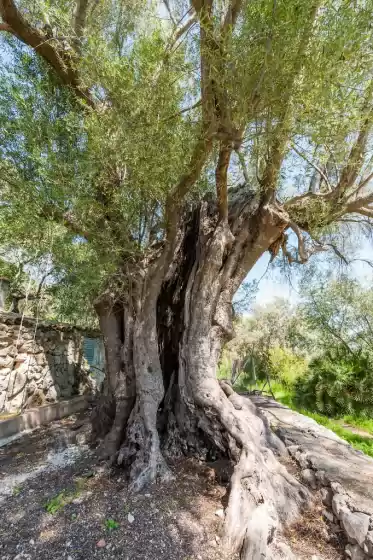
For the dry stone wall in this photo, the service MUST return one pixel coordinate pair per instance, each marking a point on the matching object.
(41, 362)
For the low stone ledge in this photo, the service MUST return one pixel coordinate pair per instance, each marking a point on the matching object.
(35, 417)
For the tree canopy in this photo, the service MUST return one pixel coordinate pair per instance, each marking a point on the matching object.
(114, 114)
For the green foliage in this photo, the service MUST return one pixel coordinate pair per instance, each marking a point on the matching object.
(66, 496)
(338, 383)
(363, 422)
(17, 490)
(111, 524)
(58, 502)
(285, 366)
(364, 444)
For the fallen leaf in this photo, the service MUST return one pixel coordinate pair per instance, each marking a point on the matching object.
(101, 543)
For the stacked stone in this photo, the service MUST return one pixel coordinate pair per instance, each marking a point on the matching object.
(39, 366)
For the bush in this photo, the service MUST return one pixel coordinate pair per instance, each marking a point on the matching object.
(337, 383)
(285, 366)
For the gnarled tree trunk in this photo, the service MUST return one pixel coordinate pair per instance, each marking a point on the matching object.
(182, 319)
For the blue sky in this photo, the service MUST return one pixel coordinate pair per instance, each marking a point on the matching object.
(273, 284)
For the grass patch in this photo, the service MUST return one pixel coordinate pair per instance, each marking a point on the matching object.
(111, 524)
(17, 490)
(58, 502)
(361, 422)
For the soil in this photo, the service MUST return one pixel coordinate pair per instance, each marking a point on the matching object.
(58, 502)
(97, 518)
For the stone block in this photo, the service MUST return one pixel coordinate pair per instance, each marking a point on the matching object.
(339, 504)
(354, 552)
(17, 382)
(6, 362)
(308, 476)
(327, 497)
(355, 525)
(8, 351)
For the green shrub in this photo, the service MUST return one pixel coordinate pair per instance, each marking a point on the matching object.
(337, 383)
(285, 366)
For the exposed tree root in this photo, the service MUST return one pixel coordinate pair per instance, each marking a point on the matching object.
(263, 496)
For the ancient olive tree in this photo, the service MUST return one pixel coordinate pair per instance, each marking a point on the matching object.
(176, 143)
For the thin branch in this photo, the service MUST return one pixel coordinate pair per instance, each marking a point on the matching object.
(194, 106)
(355, 160)
(241, 159)
(167, 5)
(320, 171)
(361, 185)
(335, 249)
(232, 14)
(359, 203)
(184, 28)
(48, 47)
(301, 246)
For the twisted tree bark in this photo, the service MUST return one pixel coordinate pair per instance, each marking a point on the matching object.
(182, 318)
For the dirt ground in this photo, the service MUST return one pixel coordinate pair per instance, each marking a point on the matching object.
(54, 505)
(58, 502)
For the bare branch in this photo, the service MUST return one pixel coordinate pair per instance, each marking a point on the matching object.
(322, 174)
(363, 183)
(365, 212)
(184, 28)
(335, 249)
(48, 47)
(301, 246)
(356, 158)
(167, 5)
(359, 203)
(194, 106)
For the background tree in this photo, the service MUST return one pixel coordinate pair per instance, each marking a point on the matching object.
(127, 136)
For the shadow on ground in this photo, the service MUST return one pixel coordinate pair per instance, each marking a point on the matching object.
(49, 470)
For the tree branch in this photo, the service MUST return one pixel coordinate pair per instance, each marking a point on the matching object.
(6, 27)
(232, 14)
(301, 247)
(356, 158)
(241, 159)
(167, 5)
(358, 203)
(322, 174)
(272, 169)
(184, 28)
(221, 179)
(80, 18)
(48, 47)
